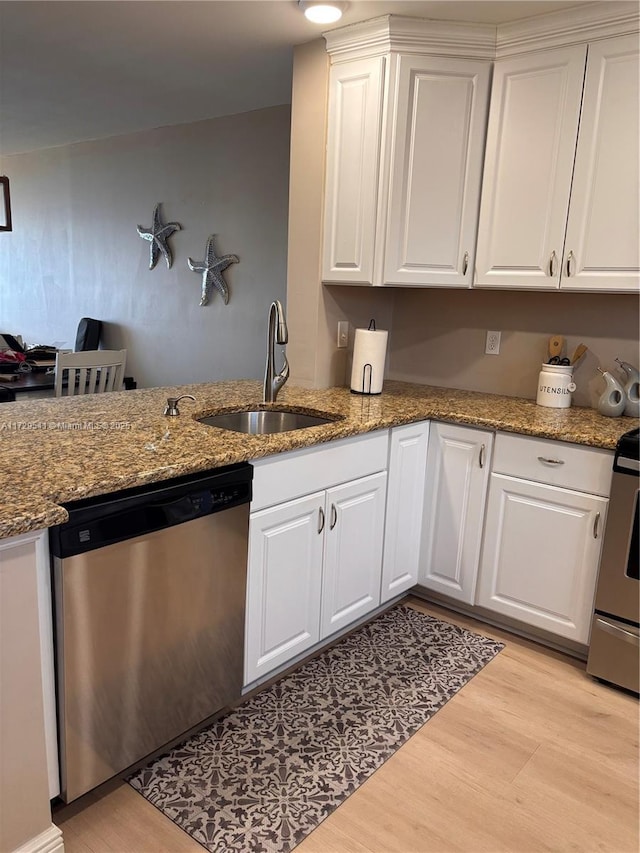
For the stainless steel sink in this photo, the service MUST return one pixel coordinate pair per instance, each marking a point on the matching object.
(265, 421)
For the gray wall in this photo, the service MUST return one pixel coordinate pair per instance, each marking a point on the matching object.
(75, 252)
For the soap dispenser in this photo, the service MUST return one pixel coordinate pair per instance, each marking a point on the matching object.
(631, 389)
(612, 402)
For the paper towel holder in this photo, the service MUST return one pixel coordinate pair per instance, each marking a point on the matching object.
(363, 384)
(366, 368)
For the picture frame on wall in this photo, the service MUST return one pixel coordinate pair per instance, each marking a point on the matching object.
(5, 204)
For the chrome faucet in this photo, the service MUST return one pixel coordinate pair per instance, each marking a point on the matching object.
(277, 334)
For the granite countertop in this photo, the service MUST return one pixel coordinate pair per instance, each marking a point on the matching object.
(64, 449)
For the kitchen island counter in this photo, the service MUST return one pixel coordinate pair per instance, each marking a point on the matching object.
(65, 449)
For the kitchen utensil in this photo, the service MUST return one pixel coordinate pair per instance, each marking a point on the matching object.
(631, 389)
(556, 345)
(612, 402)
(555, 386)
(555, 359)
(578, 353)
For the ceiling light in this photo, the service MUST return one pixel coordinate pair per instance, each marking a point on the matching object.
(323, 11)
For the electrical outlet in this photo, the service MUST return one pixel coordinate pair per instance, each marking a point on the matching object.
(492, 346)
(343, 334)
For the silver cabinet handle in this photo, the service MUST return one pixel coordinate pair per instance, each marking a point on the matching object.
(569, 259)
(627, 636)
(481, 456)
(465, 263)
(546, 461)
(320, 520)
(596, 525)
(334, 517)
(552, 264)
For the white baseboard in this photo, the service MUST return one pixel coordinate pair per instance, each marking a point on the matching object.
(49, 841)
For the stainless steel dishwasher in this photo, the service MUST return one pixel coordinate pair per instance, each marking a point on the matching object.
(149, 613)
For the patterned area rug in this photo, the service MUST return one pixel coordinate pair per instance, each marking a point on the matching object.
(264, 776)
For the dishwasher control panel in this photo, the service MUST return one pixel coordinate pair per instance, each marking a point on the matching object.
(97, 522)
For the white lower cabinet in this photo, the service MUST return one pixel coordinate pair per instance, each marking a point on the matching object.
(545, 518)
(28, 740)
(541, 555)
(523, 542)
(508, 523)
(405, 497)
(354, 533)
(458, 464)
(285, 578)
(314, 561)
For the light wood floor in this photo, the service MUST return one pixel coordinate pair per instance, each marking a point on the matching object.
(532, 755)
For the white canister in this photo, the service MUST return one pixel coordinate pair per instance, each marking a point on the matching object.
(555, 386)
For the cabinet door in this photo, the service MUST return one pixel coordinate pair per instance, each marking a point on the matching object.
(541, 553)
(602, 247)
(353, 158)
(531, 140)
(405, 498)
(436, 169)
(456, 484)
(28, 736)
(353, 551)
(283, 584)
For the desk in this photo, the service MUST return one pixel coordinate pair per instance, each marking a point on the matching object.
(39, 384)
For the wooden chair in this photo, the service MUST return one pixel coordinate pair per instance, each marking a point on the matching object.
(90, 372)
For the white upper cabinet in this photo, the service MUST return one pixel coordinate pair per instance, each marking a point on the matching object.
(353, 155)
(602, 247)
(414, 197)
(436, 169)
(531, 140)
(408, 101)
(560, 202)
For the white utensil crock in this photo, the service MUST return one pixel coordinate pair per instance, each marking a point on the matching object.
(555, 386)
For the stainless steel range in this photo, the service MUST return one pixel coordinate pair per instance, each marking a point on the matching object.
(614, 652)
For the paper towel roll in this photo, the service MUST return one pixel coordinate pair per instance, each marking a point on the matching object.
(370, 348)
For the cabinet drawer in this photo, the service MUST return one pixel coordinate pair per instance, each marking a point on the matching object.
(585, 469)
(291, 475)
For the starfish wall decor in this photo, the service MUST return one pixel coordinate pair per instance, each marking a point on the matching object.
(158, 235)
(211, 269)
